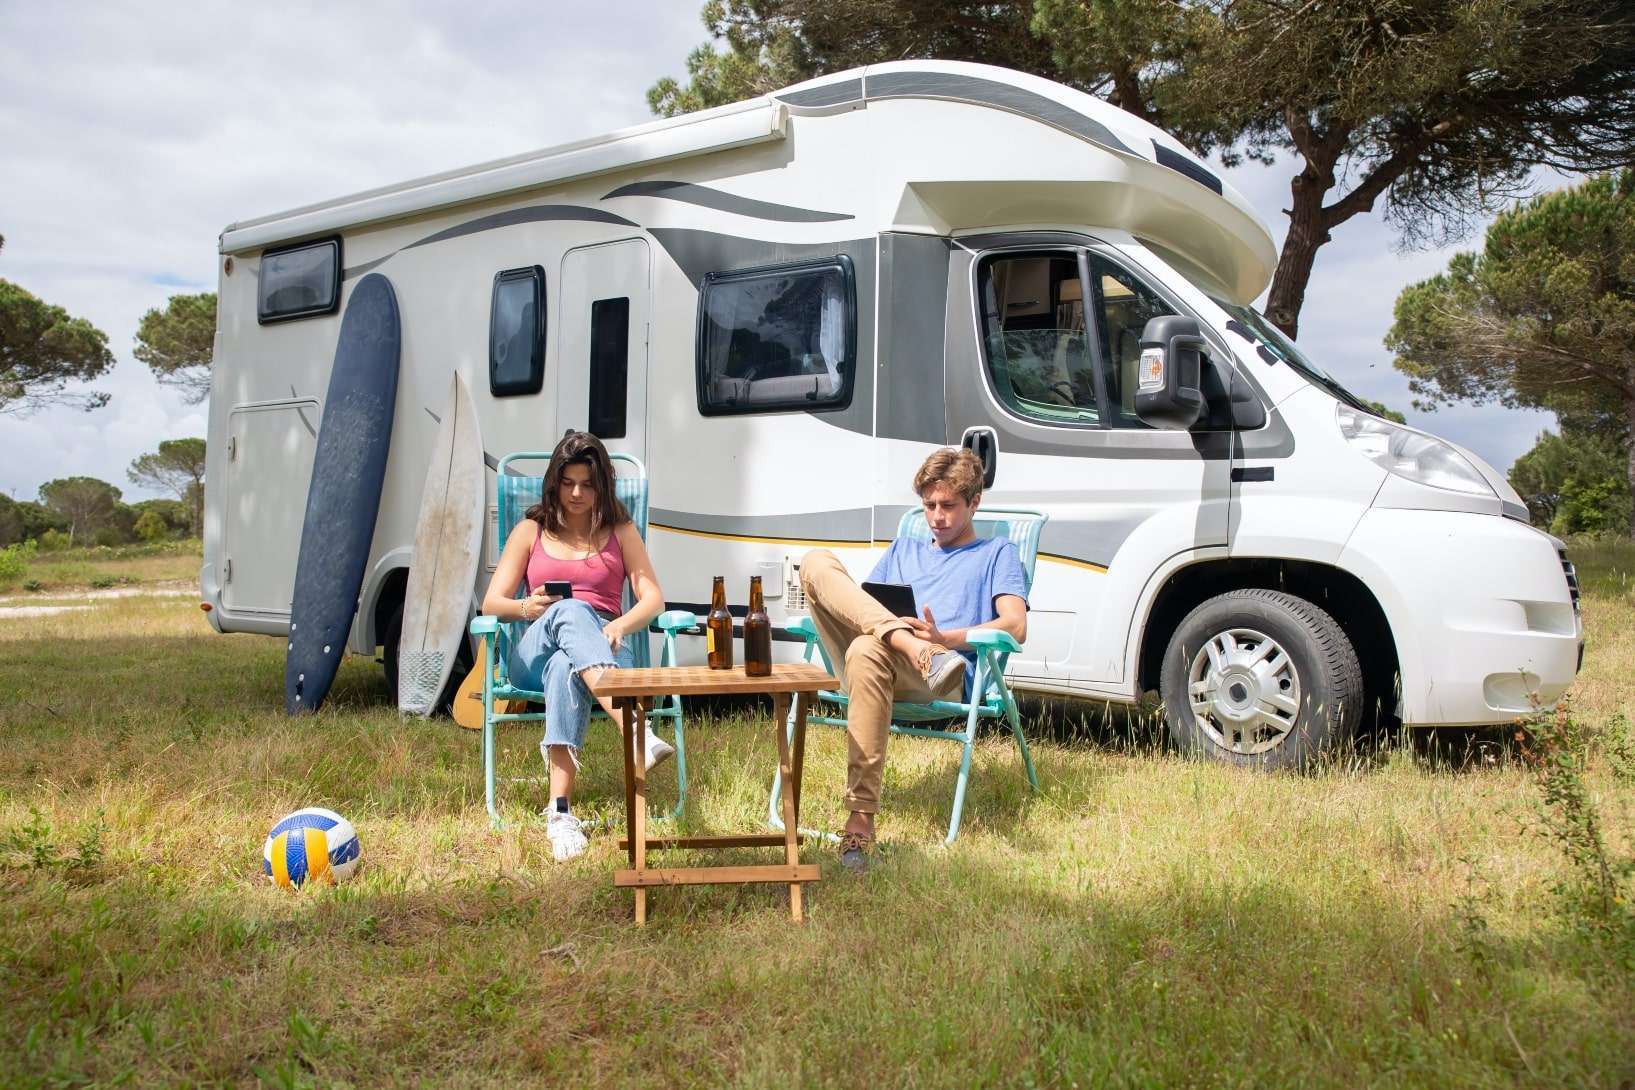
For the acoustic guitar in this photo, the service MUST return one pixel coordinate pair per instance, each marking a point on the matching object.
(467, 707)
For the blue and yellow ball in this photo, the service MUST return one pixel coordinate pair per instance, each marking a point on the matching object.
(311, 845)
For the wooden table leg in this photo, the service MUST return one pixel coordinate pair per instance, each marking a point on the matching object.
(629, 777)
(635, 728)
(791, 843)
(799, 757)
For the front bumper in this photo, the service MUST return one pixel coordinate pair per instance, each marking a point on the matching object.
(1486, 626)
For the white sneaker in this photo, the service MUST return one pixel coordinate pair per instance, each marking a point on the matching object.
(658, 750)
(566, 837)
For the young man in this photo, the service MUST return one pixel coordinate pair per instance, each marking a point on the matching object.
(961, 582)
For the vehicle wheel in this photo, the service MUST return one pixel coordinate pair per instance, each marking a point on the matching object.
(392, 635)
(1260, 678)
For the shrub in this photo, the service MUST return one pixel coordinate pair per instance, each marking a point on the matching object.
(52, 541)
(151, 527)
(101, 582)
(14, 561)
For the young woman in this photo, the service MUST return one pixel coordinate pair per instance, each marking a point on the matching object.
(578, 533)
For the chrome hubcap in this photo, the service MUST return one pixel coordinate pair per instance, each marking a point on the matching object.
(1244, 690)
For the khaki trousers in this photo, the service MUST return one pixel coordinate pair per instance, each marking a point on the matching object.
(853, 628)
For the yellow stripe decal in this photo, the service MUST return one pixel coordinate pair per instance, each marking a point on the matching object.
(1071, 562)
(317, 856)
(815, 544)
(808, 542)
(281, 871)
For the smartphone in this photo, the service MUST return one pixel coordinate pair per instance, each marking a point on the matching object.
(561, 588)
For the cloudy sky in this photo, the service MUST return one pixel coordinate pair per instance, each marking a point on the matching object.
(131, 134)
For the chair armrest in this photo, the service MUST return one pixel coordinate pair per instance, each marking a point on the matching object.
(484, 625)
(992, 638)
(801, 626)
(673, 620)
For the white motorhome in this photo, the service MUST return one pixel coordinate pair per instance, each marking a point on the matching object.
(781, 306)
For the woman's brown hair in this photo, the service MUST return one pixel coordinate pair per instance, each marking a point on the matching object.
(579, 448)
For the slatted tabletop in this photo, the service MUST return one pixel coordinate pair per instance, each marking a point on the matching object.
(787, 677)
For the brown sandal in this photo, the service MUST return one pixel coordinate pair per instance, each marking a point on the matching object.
(854, 851)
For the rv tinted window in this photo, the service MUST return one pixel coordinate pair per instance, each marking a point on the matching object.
(778, 338)
(609, 366)
(299, 282)
(516, 333)
(1039, 364)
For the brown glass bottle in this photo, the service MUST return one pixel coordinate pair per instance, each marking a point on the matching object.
(718, 627)
(757, 634)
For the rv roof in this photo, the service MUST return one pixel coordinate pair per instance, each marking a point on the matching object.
(767, 119)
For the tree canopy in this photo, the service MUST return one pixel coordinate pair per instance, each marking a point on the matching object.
(1573, 481)
(21, 520)
(43, 348)
(88, 504)
(176, 467)
(1542, 317)
(1436, 107)
(177, 343)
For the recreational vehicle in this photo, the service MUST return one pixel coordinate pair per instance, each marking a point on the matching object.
(782, 305)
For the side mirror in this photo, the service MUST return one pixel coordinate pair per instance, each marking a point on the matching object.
(1169, 388)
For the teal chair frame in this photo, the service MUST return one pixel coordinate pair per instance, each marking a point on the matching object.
(514, 494)
(994, 649)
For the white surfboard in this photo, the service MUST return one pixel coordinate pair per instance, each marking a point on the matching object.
(447, 547)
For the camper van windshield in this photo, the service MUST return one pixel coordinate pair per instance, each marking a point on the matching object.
(1273, 345)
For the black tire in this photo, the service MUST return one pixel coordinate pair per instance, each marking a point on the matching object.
(392, 635)
(1264, 727)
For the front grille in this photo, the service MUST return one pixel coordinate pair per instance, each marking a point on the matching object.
(1572, 577)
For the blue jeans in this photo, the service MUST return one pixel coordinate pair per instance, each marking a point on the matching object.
(564, 641)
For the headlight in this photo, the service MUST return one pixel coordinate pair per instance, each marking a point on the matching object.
(1411, 454)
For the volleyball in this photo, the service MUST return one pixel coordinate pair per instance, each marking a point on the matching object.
(311, 845)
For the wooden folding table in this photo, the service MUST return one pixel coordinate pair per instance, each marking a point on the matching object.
(632, 691)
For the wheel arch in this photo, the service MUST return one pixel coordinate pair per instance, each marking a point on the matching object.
(1340, 593)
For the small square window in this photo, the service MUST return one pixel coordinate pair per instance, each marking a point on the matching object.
(516, 333)
(300, 281)
(782, 338)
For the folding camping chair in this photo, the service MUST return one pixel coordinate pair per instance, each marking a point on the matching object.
(514, 495)
(992, 697)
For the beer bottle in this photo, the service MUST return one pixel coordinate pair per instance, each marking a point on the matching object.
(757, 634)
(718, 627)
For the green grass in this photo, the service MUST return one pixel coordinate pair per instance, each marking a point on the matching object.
(101, 567)
(1147, 921)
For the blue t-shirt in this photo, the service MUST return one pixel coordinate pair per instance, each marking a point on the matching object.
(959, 585)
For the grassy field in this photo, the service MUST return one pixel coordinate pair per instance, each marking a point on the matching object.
(96, 568)
(1403, 917)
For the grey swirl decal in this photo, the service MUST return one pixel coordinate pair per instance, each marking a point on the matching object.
(722, 201)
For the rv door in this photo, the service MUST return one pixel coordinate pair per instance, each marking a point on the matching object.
(602, 351)
(1048, 386)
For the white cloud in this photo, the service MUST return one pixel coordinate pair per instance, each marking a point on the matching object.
(134, 134)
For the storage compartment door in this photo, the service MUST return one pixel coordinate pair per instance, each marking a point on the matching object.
(269, 466)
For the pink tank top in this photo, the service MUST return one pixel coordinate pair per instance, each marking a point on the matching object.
(598, 580)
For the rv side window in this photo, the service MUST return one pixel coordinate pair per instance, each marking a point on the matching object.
(1039, 363)
(777, 338)
(299, 281)
(609, 366)
(516, 333)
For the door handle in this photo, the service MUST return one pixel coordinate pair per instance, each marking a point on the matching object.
(985, 445)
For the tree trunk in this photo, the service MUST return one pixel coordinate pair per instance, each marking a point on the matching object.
(1306, 234)
(1629, 445)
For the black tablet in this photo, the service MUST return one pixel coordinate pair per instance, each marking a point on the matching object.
(897, 597)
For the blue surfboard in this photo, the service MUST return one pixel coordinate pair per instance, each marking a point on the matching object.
(348, 466)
